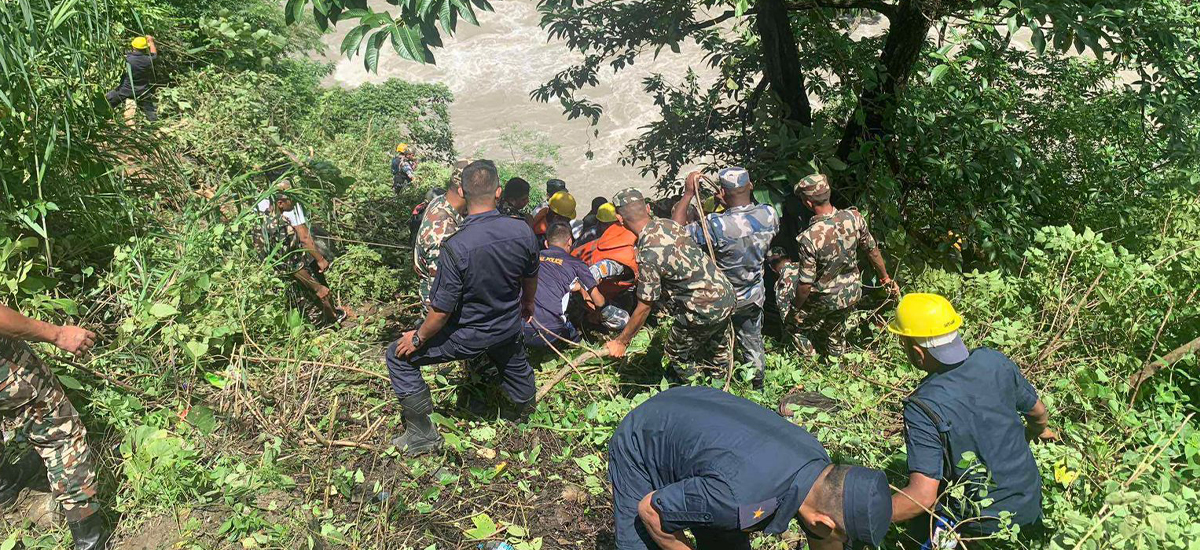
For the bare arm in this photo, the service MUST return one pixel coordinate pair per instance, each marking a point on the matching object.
(802, 292)
(67, 338)
(310, 246)
(597, 298)
(876, 258)
(679, 212)
(528, 295)
(919, 497)
(434, 322)
(653, 523)
(617, 346)
(150, 42)
(1037, 423)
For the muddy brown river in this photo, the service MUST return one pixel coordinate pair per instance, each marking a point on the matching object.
(492, 68)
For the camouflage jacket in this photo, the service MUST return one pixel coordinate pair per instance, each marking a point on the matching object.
(439, 223)
(829, 259)
(507, 209)
(741, 237)
(669, 261)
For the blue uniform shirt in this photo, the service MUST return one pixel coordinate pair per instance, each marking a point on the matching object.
(479, 277)
(741, 237)
(558, 271)
(980, 403)
(714, 461)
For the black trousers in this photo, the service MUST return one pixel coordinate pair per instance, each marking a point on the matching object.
(517, 378)
(145, 101)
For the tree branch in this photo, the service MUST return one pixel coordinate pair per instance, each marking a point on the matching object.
(876, 5)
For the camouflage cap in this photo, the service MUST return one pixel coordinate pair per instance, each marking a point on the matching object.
(627, 196)
(815, 185)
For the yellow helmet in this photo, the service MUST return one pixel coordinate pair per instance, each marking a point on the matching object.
(563, 204)
(139, 43)
(402, 148)
(606, 213)
(924, 316)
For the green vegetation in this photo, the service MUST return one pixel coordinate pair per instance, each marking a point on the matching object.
(223, 417)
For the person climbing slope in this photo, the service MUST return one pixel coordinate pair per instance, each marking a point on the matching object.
(138, 78)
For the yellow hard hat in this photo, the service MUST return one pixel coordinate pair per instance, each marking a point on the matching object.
(606, 213)
(139, 43)
(402, 148)
(563, 204)
(924, 316)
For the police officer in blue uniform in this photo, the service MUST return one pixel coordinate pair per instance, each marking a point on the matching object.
(971, 401)
(484, 290)
(700, 459)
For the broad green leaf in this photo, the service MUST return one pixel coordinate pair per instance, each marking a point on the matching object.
(353, 39)
(1038, 39)
(371, 59)
(293, 9)
(936, 74)
(69, 382)
(202, 418)
(163, 310)
(484, 527)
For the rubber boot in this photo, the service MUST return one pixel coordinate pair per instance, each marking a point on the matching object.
(16, 477)
(420, 436)
(90, 534)
(518, 413)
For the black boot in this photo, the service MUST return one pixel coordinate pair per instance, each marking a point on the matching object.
(16, 477)
(420, 436)
(90, 534)
(518, 413)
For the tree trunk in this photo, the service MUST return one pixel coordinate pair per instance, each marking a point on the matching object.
(906, 36)
(781, 60)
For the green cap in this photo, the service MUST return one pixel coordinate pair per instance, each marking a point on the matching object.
(627, 196)
(815, 185)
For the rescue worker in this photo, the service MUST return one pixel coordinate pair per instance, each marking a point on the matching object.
(485, 287)
(514, 199)
(741, 235)
(827, 282)
(138, 79)
(672, 268)
(30, 393)
(587, 226)
(284, 230)
(560, 276)
(561, 210)
(969, 402)
(700, 459)
(612, 259)
(441, 219)
(553, 186)
(591, 227)
(404, 167)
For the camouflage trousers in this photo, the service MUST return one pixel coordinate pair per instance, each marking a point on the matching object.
(30, 393)
(747, 326)
(689, 347)
(820, 331)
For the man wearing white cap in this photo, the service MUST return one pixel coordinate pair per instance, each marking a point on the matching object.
(970, 402)
(741, 235)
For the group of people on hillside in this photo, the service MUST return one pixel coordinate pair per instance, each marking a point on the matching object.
(692, 466)
(694, 459)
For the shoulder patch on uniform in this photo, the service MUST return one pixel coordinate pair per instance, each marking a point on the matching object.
(750, 515)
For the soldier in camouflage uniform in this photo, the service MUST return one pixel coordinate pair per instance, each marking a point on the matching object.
(441, 219)
(698, 294)
(825, 284)
(514, 198)
(740, 235)
(30, 393)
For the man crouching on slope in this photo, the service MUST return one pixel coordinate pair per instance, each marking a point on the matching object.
(484, 289)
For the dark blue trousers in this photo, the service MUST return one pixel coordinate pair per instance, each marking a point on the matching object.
(516, 375)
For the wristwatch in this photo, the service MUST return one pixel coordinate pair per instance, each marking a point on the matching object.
(416, 340)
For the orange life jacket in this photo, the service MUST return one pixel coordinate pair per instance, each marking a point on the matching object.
(617, 244)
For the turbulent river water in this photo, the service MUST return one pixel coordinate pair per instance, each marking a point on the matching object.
(492, 68)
